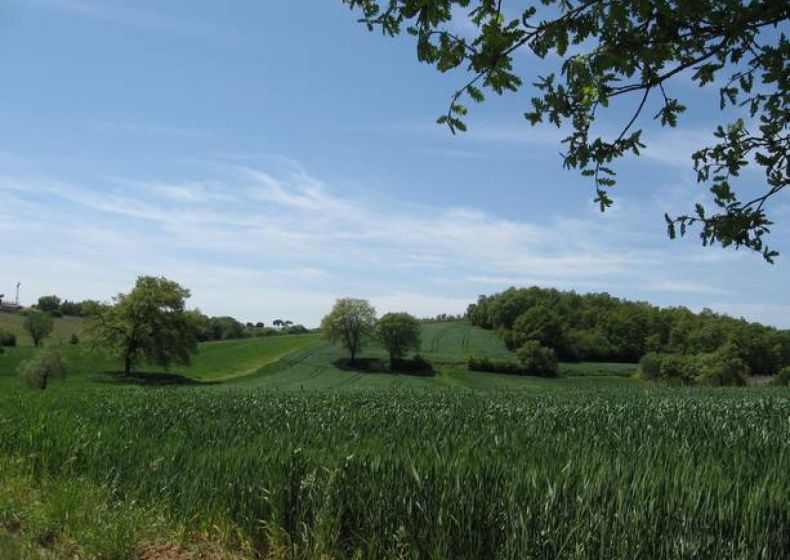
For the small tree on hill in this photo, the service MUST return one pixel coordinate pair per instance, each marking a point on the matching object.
(349, 323)
(39, 326)
(398, 333)
(150, 322)
(42, 368)
(49, 304)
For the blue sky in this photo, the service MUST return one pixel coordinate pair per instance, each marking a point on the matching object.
(273, 156)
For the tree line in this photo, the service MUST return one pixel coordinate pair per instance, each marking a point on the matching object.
(601, 328)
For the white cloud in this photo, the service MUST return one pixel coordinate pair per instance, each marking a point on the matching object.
(256, 244)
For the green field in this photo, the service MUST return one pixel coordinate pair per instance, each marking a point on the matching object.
(274, 449)
(64, 328)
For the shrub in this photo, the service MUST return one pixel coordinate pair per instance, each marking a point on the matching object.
(74, 339)
(477, 363)
(417, 364)
(7, 338)
(782, 378)
(42, 368)
(650, 365)
(538, 360)
(722, 367)
(677, 368)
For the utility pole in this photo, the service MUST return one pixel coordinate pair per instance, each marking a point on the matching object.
(17, 292)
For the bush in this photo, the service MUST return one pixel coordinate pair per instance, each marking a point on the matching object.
(722, 367)
(42, 368)
(782, 378)
(650, 365)
(538, 360)
(476, 363)
(74, 339)
(417, 364)
(677, 368)
(7, 338)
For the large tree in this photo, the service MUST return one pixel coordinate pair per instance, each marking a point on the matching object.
(350, 323)
(398, 333)
(39, 326)
(610, 49)
(150, 323)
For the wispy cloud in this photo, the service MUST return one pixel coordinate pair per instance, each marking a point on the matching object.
(247, 232)
(118, 13)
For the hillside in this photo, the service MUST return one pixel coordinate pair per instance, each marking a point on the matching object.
(64, 328)
(304, 362)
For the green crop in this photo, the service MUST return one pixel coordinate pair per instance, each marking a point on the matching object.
(617, 473)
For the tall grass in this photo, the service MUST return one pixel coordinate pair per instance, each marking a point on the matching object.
(622, 474)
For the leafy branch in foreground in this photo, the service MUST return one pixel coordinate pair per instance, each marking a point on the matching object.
(611, 48)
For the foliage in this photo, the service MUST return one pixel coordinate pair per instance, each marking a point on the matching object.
(624, 48)
(45, 366)
(650, 366)
(74, 339)
(537, 359)
(479, 363)
(49, 304)
(398, 333)
(782, 378)
(39, 326)
(7, 338)
(149, 322)
(350, 323)
(599, 327)
(722, 367)
(407, 475)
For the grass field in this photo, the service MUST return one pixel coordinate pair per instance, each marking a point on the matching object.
(279, 451)
(64, 327)
(304, 362)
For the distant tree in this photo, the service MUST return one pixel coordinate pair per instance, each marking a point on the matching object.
(150, 322)
(70, 308)
(49, 304)
(259, 325)
(278, 323)
(398, 333)
(45, 366)
(225, 328)
(536, 359)
(39, 326)
(350, 322)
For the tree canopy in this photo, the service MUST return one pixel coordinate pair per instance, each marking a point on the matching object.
(398, 333)
(150, 323)
(610, 49)
(350, 322)
(39, 326)
(599, 327)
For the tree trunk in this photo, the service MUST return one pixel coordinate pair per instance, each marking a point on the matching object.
(127, 366)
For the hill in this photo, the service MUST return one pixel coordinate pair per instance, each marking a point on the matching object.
(304, 362)
(215, 361)
(64, 328)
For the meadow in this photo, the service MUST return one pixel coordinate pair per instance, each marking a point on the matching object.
(277, 450)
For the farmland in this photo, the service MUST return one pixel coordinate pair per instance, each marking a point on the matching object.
(615, 474)
(276, 449)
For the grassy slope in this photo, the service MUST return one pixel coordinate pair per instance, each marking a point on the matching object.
(214, 361)
(446, 345)
(304, 362)
(64, 328)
